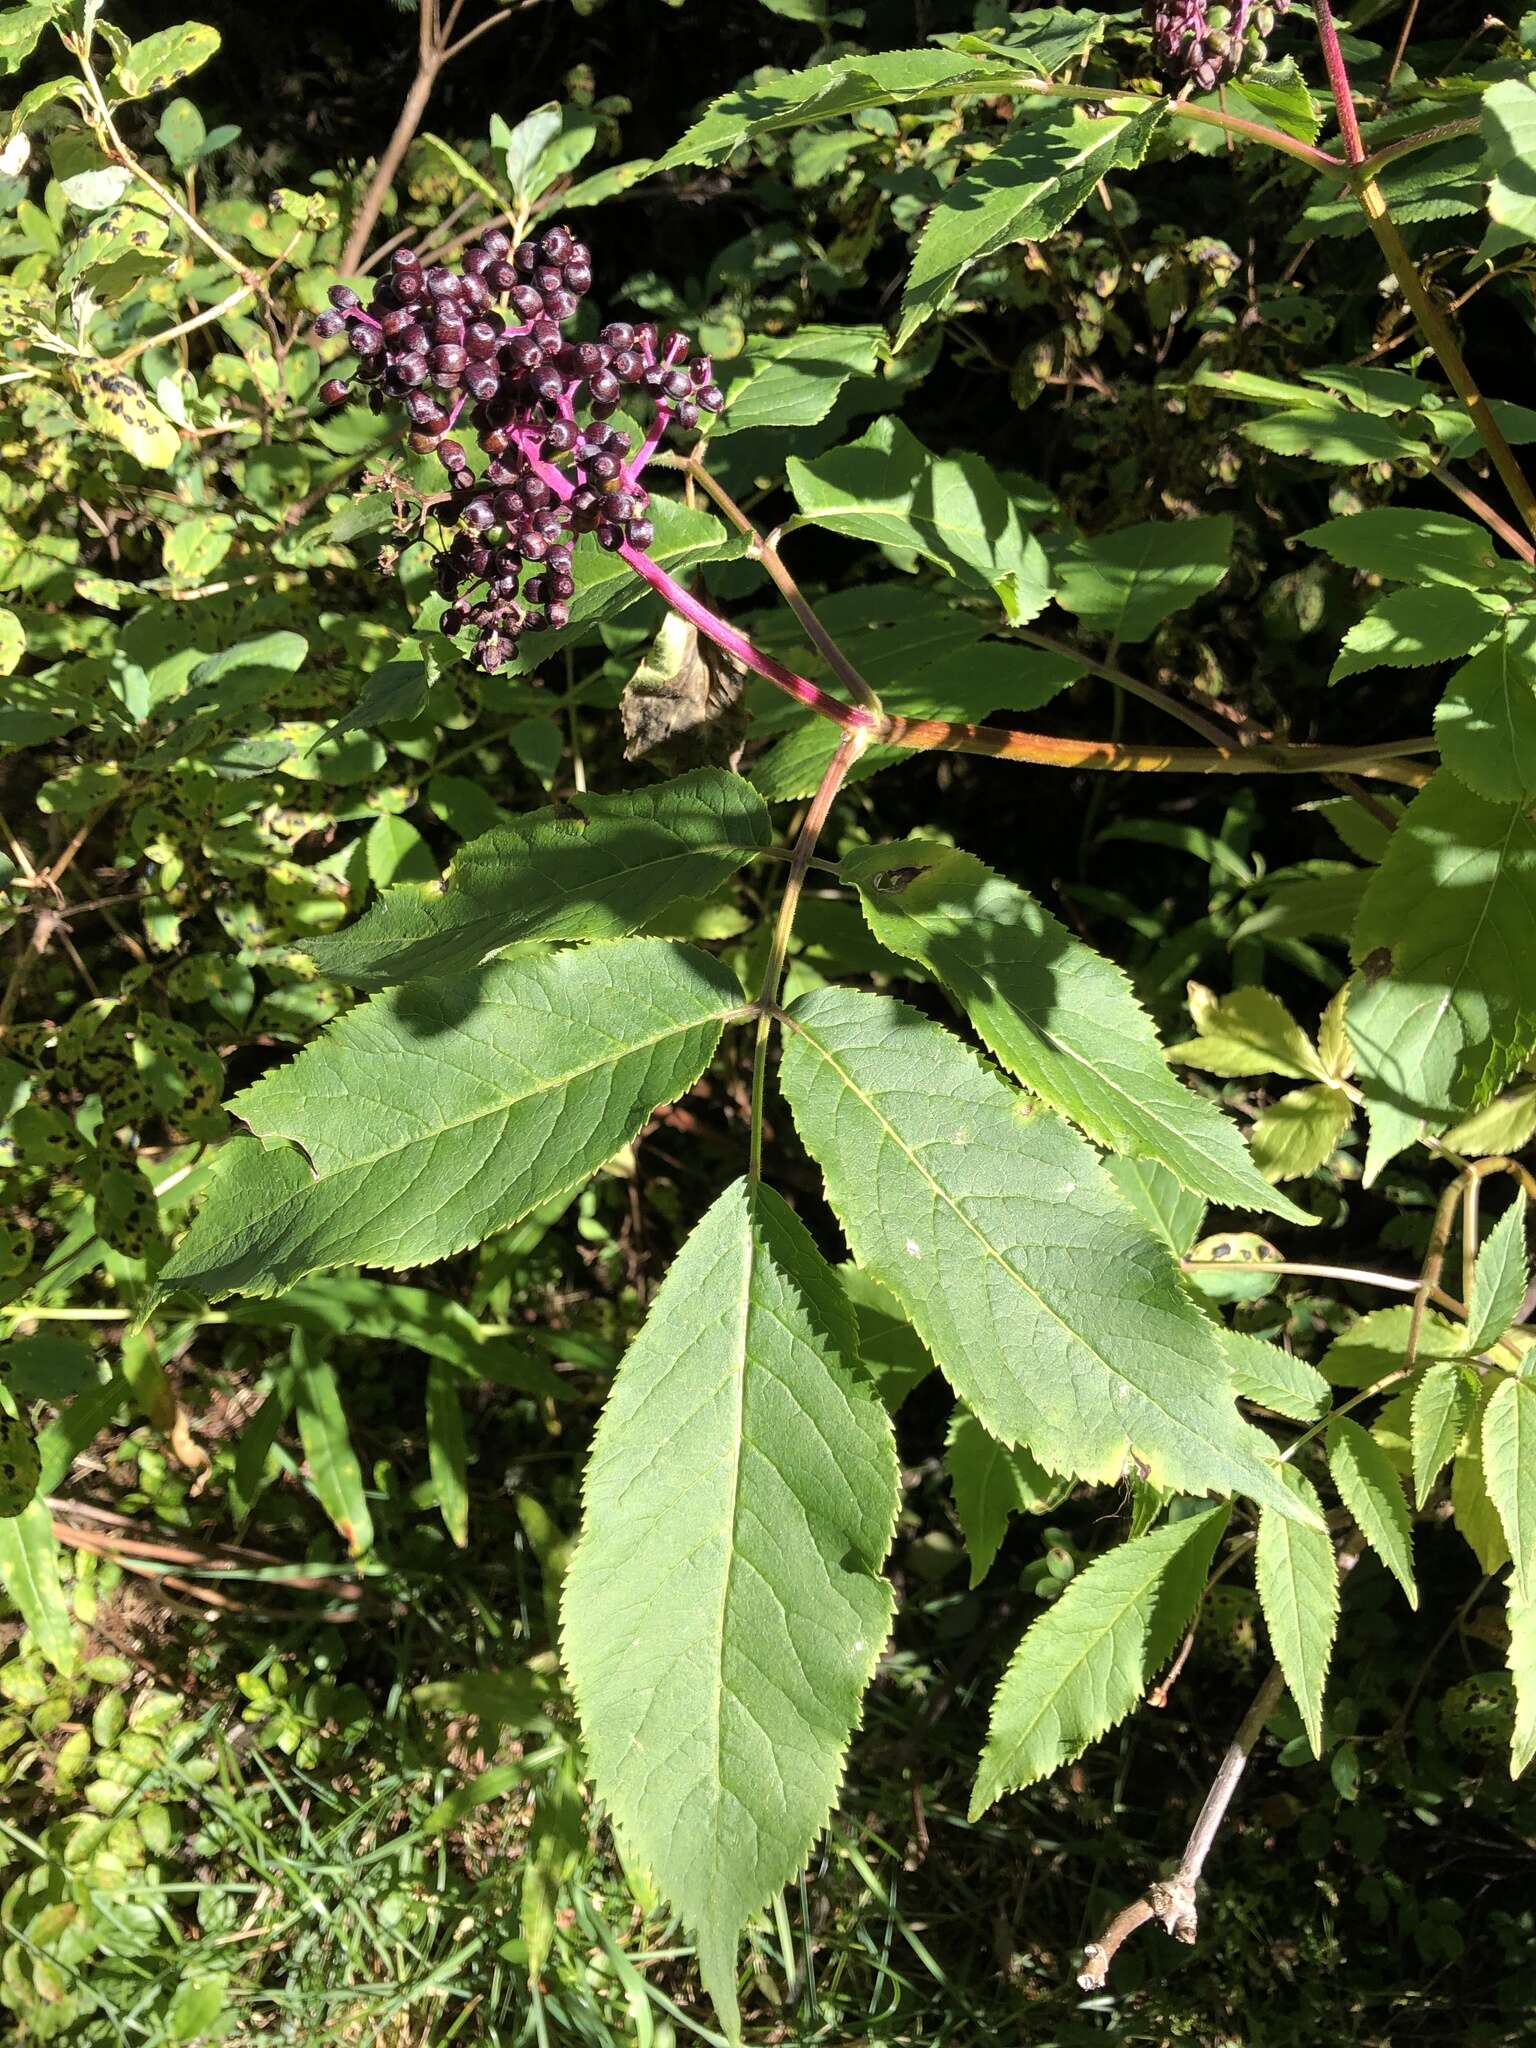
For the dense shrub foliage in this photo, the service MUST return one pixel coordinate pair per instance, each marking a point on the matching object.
(684, 1199)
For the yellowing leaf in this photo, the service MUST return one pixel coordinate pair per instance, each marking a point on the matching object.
(117, 405)
(1247, 1032)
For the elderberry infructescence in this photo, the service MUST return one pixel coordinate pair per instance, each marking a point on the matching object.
(488, 342)
(1209, 42)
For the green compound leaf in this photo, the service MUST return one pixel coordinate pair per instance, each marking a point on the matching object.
(1057, 1317)
(1329, 432)
(438, 1114)
(1027, 188)
(1509, 1471)
(1454, 903)
(29, 1572)
(1276, 1379)
(1409, 547)
(1370, 1488)
(1486, 721)
(991, 1484)
(1060, 1016)
(1414, 628)
(794, 381)
(1500, 1278)
(1084, 1665)
(828, 92)
(1127, 582)
(724, 1610)
(1298, 1584)
(334, 1471)
(1442, 1404)
(597, 867)
(954, 510)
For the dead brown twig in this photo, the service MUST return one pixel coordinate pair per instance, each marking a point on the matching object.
(436, 45)
(1171, 1900)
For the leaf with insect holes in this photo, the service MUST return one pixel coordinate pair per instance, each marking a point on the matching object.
(1442, 1402)
(1298, 1584)
(1500, 1277)
(724, 1610)
(435, 1115)
(1486, 720)
(1023, 190)
(1058, 1318)
(1453, 1015)
(1063, 1019)
(594, 867)
(1509, 1471)
(1370, 1488)
(1088, 1659)
(991, 1483)
(29, 1573)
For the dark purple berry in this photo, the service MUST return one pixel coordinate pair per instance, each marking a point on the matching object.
(333, 391)
(328, 326)
(343, 298)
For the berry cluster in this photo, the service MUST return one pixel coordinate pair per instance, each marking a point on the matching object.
(1210, 44)
(491, 339)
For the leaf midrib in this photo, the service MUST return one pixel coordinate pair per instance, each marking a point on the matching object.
(982, 1239)
(545, 1086)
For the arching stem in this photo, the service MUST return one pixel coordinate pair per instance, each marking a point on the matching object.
(848, 751)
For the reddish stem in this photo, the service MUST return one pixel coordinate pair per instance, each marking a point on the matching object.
(1338, 81)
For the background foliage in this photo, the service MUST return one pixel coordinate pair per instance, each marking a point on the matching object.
(288, 1746)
